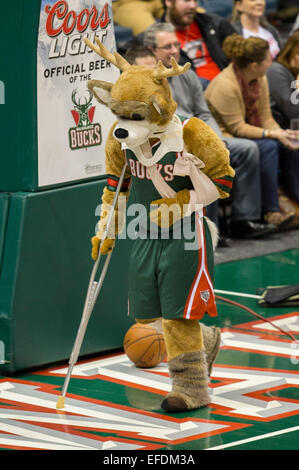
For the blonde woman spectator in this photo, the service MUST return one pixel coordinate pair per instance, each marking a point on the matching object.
(248, 19)
(239, 99)
(136, 15)
(295, 25)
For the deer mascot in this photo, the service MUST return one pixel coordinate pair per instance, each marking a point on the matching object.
(174, 168)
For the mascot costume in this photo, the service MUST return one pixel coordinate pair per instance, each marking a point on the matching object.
(175, 167)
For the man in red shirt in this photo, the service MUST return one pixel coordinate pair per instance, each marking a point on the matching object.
(201, 36)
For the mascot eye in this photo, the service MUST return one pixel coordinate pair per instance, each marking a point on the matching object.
(137, 117)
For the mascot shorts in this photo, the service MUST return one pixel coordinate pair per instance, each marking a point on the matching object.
(168, 279)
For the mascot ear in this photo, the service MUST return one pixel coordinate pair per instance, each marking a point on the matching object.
(155, 102)
(164, 109)
(100, 90)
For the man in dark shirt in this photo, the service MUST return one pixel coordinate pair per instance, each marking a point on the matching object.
(201, 36)
(161, 42)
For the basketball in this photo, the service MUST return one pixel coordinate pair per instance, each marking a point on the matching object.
(144, 345)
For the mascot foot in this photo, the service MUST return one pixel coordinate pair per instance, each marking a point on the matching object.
(211, 339)
(190, 391)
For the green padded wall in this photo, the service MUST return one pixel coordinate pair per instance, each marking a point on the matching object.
(46, 266)
(18, 41)
(45, 229)
(30, 120)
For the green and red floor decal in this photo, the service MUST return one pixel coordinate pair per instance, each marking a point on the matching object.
(112, 405)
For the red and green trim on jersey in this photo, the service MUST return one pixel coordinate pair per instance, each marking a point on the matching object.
(225, 183)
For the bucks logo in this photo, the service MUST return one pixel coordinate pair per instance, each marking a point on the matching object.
(205, 295)
(85, 134)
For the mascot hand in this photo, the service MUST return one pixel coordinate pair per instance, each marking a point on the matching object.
(106, 247)
(116, 225)
(171, 209)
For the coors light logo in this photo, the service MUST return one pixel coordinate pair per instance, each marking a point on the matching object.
(65, 65)
(85, 134)
(67, 28)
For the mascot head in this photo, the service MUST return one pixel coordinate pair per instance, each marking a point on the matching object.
(140, 99)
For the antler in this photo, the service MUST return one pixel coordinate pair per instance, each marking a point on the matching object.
(163, 72)
(87, 101)
(115, 59)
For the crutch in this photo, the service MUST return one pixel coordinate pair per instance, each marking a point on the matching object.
(93, 291)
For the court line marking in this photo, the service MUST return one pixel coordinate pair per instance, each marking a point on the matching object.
(256, 438)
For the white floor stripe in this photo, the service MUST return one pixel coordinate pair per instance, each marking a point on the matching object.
(237, 294)
(256, 438)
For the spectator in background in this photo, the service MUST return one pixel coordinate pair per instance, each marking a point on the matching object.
(239, 99)
(201, 36)
(286, 11)
(137, 15)
(187, 91)
(248, 19)
(283, 79)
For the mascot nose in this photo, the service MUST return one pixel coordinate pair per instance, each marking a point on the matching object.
(121, 133)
